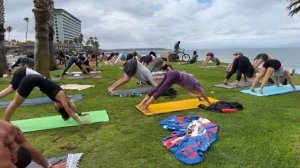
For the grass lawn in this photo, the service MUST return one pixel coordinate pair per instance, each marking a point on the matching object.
(265, 134)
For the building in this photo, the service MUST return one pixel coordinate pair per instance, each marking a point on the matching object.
(66, 26)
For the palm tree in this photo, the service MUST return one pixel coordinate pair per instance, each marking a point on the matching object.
(3, 61)
(52, 64)
(26, 19)
(293, 7)
(42, 13)
(8, 29)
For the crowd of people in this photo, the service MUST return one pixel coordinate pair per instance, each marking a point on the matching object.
(16, 151)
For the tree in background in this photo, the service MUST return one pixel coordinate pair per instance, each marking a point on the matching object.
(293, 7)
(8, 29)
(3, 61)
(93, 41)
(42, 12)
(52, 64)
(80, 40)
(26, 19)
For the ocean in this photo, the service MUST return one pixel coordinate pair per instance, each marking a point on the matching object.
(289, 57)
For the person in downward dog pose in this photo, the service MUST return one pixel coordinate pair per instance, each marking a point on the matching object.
(270, 67)
(25, 85)
(182, 79)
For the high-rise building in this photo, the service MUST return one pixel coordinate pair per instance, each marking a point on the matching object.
(66, 26)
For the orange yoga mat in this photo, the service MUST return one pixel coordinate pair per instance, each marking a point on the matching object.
(175, 106)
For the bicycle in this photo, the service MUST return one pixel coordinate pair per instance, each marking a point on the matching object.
(182, 56)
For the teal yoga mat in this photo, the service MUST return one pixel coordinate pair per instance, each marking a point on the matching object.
(43, 100)
(44, 123)
(272, 90)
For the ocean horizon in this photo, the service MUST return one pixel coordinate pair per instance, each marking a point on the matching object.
(289, 57)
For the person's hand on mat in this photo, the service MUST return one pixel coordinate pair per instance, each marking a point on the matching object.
(252, 89)
(84, 122)
(145, 108)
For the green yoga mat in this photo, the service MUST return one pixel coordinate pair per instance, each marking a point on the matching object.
(44, 123)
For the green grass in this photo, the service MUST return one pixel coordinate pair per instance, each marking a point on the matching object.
(265, 134)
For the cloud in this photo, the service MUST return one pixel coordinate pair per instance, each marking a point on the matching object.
(160, 23)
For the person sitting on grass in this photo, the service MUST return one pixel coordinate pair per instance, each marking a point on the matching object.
(269, 67)
(260, 58)
(133, 68)
(210, 57)
(17, 152)
(193, 60)
(25, 84)
(75, 60)
(182, 79)
(242, 66)
(20, 73)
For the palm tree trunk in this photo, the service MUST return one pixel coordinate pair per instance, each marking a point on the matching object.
(51, 50)
(41, 48)
(3, 61)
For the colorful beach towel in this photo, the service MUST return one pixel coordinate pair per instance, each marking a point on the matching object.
(192, 135)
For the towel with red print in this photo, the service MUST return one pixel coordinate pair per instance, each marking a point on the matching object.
(192, 135)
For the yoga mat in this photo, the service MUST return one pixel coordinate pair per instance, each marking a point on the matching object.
(78, 77)
(232, 85)
(79, 72)
(175, 106)
(43, 100)
(44, 123)
(76, 86)
(71, 161)
(272, 90)
(214, 66)
(125, 92)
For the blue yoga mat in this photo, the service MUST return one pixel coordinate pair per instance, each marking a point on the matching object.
(43, 100)
(272, 90)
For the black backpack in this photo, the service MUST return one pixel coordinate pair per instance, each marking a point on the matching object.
(170, 93)
(218, 106)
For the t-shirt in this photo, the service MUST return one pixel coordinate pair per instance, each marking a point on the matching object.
(187, 81)
(143, 74)
(19, 75)
(130, 67)
(156, 63)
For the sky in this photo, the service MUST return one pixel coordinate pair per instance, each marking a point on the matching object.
(198, 24)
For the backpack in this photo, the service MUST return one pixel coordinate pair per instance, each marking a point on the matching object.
(171, 93)
(218, 106)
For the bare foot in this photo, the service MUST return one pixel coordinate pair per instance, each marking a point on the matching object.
(252, 89)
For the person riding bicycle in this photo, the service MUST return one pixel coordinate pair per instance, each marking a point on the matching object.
(176, 47)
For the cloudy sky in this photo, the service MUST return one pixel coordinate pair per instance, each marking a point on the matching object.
(198, 24)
